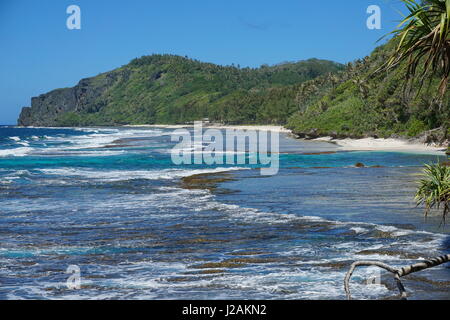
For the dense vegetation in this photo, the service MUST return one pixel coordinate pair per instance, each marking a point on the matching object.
(171, 89)
(434, 189)
(370, 101)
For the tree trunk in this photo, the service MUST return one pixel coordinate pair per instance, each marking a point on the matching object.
(398, 273)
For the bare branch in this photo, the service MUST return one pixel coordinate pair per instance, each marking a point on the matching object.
(398, 273)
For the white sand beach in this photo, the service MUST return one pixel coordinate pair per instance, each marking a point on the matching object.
(379, 144)
(365, 144)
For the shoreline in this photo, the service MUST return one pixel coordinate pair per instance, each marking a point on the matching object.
(347, 144)
(382, 144)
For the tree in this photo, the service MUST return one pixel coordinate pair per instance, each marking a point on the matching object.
(424, 41)
(362, 86)
(434, 189)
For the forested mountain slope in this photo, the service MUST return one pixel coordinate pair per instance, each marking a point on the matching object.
(172, 89)
(367, 102)
(312, 97)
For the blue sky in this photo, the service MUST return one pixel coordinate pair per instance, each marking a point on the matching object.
(38, 53)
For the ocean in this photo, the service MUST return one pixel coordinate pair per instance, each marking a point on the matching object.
(111, 203)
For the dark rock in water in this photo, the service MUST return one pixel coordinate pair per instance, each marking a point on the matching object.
(335, 265)
(360, 165)
(390, 252)
(312, 134)
(431, 138)
(207, 181)
(217, 265)
(299, 135)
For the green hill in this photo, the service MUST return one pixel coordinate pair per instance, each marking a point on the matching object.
(365, 102)
(165, 89)
(313, 97)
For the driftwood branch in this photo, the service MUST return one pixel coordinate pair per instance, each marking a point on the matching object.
(398, 273)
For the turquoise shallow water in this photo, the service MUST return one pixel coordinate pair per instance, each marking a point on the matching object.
(111, 202)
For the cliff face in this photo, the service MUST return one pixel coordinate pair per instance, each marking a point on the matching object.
(47, 109)
(173, 89)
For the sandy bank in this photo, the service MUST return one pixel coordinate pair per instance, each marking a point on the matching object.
(366, 144)
(373, 144)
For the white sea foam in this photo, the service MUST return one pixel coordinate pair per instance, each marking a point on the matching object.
(358, 229)
(79, 153)
(11, 177)
(18, 140)
(394, 231)
(79, 145)
(98, 139)
(205, 200)
(17, 152)
(123, 175)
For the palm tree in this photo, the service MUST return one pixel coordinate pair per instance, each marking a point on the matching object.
(362, 86)
(424, 41)
(434, 189)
